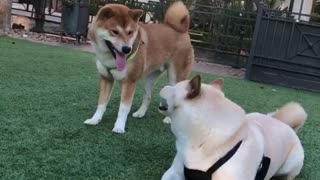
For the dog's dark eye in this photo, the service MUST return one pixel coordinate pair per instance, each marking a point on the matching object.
(130, 32)
(115, 32)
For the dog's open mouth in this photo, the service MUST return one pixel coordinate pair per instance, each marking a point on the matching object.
(118, 56)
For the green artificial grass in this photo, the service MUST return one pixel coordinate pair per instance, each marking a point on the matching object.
(47, 92)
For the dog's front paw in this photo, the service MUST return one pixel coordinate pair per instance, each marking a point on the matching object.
(167, 120)
(118, 130)
(139, 114)
(92, 121)
(119, 127)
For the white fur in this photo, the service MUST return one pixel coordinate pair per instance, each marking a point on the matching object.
(102, 69)
(101, 35)
(119, 126)
(207, 127)
(176, 170)
(105, 59)
(142, 110)
(104, 56)
(166, 120)
(172, 75)
(119, 75)
(97, 115)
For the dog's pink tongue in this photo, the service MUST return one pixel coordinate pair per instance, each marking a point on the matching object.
(120, 61)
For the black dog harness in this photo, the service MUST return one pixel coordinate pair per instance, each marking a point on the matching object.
(191, 174)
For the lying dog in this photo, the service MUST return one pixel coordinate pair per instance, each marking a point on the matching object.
(127, 50)
(216, 139)
(21, 23)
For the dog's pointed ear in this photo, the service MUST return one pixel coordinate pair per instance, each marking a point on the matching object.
(106, 13)
(135, 14)
(194, 87)
(218, 83)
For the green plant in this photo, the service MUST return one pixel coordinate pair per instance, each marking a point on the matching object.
(270, 3)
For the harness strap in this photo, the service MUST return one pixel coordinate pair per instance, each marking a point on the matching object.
(191, 174)
(224, 159)
(263, 168)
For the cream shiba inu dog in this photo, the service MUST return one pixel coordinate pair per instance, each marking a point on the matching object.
(217, 140)
(127, 50)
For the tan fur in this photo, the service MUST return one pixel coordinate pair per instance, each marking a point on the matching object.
(161, 46)
(161, 42)
(178, 17)
(4, 8)
(127, 93)
(23, 21)
(106, 86)
(292, 114)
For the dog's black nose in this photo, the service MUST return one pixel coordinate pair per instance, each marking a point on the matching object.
(163, 108)
(163, 105)
(126, 49)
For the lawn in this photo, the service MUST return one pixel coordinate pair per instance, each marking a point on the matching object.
(47, 92)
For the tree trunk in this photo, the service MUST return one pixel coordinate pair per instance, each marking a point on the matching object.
(8, 21)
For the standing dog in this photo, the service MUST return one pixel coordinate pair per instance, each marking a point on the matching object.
(216, 139)
(127, 50)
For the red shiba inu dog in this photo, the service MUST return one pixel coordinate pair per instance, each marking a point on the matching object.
(127, 50)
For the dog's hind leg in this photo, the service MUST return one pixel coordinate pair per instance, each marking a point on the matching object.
(183, 65)
(106, 86)
(179, 70)
(293, 165)
(172, 77)
(127, 93)
(148, 86)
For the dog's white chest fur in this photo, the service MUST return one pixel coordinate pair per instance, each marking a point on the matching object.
(104, 55)
(117, 75)
(106, 59)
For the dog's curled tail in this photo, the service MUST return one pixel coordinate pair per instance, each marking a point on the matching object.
(177, 17)
(291, 114)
